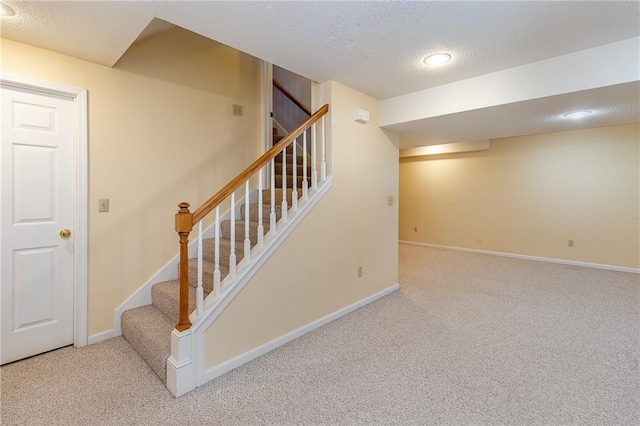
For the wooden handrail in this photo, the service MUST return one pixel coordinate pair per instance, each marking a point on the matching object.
(185, 219)
(291, 97)
(221, 195)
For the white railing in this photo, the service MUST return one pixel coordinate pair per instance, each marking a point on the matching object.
(285, 132)
(254, 238)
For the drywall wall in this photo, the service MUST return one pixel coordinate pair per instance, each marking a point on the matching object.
(195, 62)
(314, 272)
(152, 144)
(530, 195)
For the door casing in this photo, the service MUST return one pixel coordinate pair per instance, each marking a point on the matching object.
(80, 145)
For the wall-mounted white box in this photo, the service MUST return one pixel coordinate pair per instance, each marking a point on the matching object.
(362, 116)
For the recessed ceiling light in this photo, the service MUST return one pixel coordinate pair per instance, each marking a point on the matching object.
(577, 114)
(437, 59)
(6, 10)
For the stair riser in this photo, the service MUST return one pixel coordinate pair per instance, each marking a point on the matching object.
(148, 330)
(225, 251)
(266, 196)
(266, 213)
(299, 169)
(299, 180)
(299, 158)
(225, 228)
(169, 304)
(207, 277)
(207, 274)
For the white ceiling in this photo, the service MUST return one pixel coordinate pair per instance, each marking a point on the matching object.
(374, 47)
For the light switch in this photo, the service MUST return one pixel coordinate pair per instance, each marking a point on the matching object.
(103, 205)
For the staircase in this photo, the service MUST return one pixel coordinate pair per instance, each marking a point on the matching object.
(148, 328)
(169, 334)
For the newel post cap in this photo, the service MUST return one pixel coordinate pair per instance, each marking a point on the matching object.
(184, 218)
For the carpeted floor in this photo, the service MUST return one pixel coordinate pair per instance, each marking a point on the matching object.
(467, 339)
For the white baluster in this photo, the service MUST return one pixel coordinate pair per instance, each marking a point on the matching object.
(314, 159)
(260, 226)
(294, 165)
(199, 291)
(285, 207)
(305, 184)
(232, 237)
(272, 216)
(323, 165)
(247, 240)
(216, 265)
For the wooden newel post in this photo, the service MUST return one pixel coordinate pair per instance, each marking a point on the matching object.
(184, 225)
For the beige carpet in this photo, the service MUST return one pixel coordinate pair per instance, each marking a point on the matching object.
(469, 339)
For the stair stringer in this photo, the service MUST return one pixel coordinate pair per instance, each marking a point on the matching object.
(185, 366)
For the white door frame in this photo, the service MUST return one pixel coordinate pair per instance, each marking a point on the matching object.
(79, 97)
(266, 102)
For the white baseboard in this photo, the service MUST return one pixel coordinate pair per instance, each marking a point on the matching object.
(527, 257)
(99, 337)
(252, 354)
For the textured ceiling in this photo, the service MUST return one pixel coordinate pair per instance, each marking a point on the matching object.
(374, 47)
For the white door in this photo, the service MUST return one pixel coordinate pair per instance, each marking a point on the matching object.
(37, 206)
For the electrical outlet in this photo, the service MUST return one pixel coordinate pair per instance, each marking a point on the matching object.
(103, 205)
(237, 110)
(570, 244)
(390, 200)
(359, 271)
(415, 229)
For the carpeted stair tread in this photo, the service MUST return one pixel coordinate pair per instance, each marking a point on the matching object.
(266, 212)
(165, 297)
(207, 274)
(225, 228)
(266, 195)
(208, 245)
(299, 180)
(148, 330)
(299, 157)
(299, 167)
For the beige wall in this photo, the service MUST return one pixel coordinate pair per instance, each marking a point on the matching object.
(152, 144)
(314, 272)
(530, 195)
(189, 59)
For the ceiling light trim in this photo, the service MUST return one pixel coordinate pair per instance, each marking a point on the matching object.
(437, 59)
(6, 10)
(578, 114)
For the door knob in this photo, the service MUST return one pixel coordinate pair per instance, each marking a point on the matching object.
(65, 233)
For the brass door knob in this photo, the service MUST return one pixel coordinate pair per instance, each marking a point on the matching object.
(65, 233)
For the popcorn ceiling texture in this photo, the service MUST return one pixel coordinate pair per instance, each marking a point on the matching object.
(468, 339)
(375, 47)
